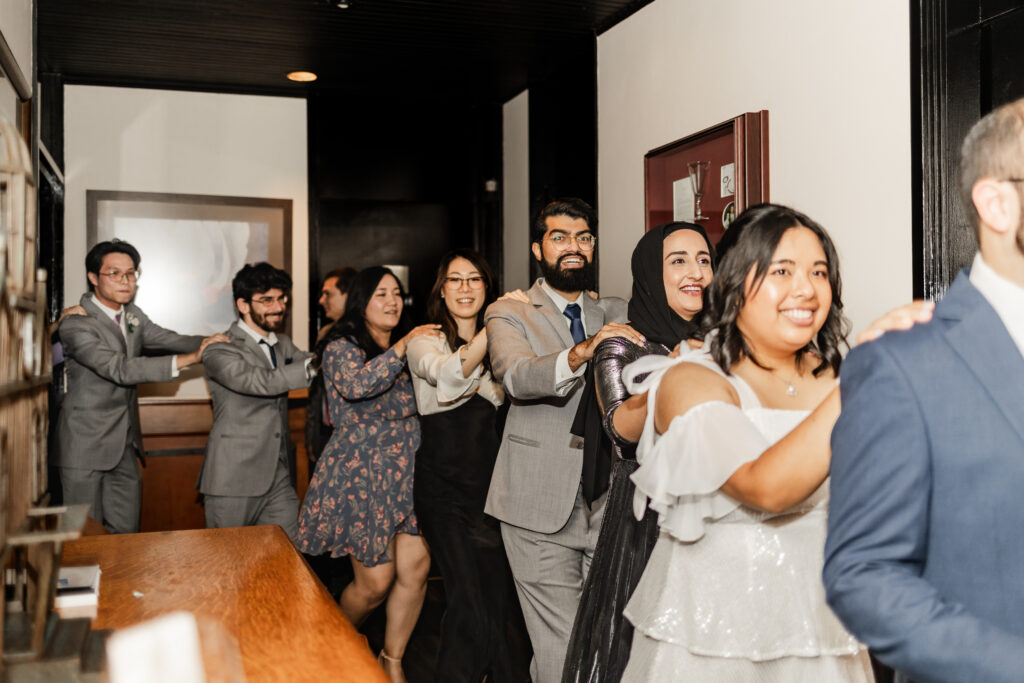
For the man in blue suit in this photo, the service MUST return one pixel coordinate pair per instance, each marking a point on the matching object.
(925, 554)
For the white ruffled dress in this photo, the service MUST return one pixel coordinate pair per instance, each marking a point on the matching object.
(730, 593)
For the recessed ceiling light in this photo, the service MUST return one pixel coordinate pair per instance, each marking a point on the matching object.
(302, 76)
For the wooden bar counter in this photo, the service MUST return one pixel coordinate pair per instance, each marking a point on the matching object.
(250, 579)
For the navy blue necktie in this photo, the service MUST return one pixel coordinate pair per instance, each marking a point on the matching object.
(273, 354)
(573, 312)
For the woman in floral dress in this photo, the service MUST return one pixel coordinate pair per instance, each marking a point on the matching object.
(360, 500)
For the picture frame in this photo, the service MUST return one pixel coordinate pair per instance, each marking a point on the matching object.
(741, 142)
(191, 247)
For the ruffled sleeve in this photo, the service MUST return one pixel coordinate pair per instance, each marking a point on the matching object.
(684, 468)
(432, 360)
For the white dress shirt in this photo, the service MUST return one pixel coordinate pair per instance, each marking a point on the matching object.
(1005, 296)
(437, 378)
(271, 340)
(563, 373)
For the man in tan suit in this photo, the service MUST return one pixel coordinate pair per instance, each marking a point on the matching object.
(539, 351)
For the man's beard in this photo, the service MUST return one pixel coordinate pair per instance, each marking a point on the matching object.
(268, 326)
(572, 279)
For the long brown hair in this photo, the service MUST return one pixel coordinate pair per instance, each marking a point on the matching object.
(437, 310)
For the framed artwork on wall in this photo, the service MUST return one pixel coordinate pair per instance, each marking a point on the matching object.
(710, 176)
(191, 247)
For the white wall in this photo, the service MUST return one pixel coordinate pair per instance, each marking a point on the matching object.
(835, 78)
(187, 143)
(516, 193)
(16, 25)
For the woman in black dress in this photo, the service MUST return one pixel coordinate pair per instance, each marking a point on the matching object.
(458, 402)
(672, 265)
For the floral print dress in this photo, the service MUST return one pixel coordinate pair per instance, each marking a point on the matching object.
(361, 493)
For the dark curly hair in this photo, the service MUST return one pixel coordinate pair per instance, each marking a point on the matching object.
(761, 228)
(352, 324)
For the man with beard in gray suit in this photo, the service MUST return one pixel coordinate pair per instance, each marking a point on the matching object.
(539, 352)
(98, 433)
(246, 479)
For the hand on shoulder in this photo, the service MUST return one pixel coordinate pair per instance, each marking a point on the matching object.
(902, 318)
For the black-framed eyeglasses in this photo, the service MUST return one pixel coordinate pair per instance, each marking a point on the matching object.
(474, 282)
(122, 275)
(268, 300)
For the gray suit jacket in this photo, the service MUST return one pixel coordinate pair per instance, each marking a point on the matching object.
(925, 555)
(250, 413)
(537, 472)
(101, 407)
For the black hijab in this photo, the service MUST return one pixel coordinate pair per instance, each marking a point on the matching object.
(649, 312)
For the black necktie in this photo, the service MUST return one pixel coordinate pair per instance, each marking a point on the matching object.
(273, 355)
(573, 312)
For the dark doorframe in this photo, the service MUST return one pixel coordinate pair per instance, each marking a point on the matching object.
(967, 58)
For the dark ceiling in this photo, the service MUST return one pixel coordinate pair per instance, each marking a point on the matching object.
(482, 50)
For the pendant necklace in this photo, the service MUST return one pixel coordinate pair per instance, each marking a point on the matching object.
(791, 389)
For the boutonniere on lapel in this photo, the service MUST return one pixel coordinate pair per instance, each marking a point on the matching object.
(131, 322)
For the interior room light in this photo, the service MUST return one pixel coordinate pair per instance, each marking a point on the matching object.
(302, 76)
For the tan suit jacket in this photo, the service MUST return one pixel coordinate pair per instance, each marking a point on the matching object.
(537, 472)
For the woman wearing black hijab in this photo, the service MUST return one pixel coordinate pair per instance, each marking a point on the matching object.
(672, 265)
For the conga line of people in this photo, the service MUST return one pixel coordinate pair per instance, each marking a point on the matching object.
(658, 496)
(732, 354)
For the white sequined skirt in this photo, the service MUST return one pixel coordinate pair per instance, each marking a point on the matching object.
(743, 603)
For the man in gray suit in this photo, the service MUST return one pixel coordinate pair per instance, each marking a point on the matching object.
(539, 351)
(246, 477)
(924, 560)
(98, 428)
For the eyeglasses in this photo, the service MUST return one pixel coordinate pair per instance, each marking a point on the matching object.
(474, 282)
(268, 300)
(122, 275)
(562, 241)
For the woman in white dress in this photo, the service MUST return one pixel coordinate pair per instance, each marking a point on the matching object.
(734, 457)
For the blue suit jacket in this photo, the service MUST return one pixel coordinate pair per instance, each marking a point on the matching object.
(925, 554)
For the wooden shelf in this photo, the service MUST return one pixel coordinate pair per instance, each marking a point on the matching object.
(22, 385)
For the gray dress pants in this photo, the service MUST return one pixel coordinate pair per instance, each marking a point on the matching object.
(549, 570)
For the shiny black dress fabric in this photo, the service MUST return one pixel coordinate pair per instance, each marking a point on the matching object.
(453, 470)
(601, 636)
